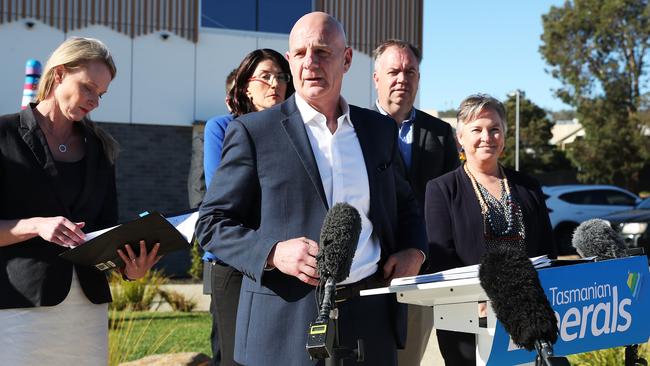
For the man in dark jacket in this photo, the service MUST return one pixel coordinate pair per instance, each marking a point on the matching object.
(427, 146)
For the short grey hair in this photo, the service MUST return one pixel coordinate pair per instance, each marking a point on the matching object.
(382, 47)
(473, 105)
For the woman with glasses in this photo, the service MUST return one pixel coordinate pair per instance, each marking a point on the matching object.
(262, 80)
(482, 205)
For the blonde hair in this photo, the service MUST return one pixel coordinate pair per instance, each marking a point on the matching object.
(72, 54)
(473, 105)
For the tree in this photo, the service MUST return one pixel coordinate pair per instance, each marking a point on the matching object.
(597, 49)
(536, 154)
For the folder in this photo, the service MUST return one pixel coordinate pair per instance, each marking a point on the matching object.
(100, 249)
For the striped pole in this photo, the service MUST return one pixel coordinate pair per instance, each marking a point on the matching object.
(32, 76)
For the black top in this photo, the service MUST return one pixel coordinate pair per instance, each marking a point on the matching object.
(31, 272)
(455, 226)
(72, 176)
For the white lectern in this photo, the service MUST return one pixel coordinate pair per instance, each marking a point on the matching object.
(455, 307)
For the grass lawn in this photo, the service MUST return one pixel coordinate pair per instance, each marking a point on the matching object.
(133, 335)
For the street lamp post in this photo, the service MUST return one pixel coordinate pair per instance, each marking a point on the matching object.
(517, 130)
(517, 94)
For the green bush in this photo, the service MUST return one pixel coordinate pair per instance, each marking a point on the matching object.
(606, 357)
(196, 267)
(178, 301)
(135, 295)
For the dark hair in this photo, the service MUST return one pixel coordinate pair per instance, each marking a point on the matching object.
(238, 101)
(230, 80)
(399, 44)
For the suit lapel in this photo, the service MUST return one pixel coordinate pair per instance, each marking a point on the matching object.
(294, 127)
(419, 141)
(363, 130)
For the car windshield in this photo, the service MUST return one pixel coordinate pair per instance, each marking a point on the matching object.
(645, 204)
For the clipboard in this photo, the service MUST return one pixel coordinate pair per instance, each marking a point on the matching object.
(100, 250)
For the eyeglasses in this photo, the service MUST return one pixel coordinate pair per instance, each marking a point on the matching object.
(267, 78)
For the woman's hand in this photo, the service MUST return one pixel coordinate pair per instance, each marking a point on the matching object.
(137, 267)
(59, 230)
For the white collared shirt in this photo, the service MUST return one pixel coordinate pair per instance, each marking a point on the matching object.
(343, 172)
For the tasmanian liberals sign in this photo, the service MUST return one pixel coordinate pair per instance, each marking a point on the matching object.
(597, 305)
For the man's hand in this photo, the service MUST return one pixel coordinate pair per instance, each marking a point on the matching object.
(296, 257)
(403, 264)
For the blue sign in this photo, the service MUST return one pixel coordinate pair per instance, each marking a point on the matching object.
(597, 305)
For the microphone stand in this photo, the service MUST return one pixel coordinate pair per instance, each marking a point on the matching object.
(632, 356)
(323, 336)
(546, 357)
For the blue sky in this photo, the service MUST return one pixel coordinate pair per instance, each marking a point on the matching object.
(492, 47)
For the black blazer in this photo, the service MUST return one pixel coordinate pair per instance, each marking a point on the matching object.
(433, 152)
(268, 189)
(31, 273)
(454, 221)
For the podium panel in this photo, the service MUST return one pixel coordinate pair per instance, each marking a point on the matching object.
(597, 305)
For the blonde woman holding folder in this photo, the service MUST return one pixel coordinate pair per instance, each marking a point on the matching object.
(57, 180)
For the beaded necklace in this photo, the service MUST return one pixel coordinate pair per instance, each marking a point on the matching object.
(504, 222)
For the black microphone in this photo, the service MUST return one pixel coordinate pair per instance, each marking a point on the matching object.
(596, 238)
(338, 242)
(519, 302)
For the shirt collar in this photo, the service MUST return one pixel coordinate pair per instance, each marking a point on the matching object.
(382, 111)
(308, 113)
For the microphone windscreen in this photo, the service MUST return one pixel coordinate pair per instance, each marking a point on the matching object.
(338, 241)
(596, 238)
(511, 282)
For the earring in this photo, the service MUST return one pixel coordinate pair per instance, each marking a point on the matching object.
(461, 154)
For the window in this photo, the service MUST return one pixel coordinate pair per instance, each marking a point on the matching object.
(274, 16)
(599, 197)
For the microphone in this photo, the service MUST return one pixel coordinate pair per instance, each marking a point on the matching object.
(338, 242)
(511, 282)
(596, 238)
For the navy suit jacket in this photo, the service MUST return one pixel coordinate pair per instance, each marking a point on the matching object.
(269, 190)
(455, 224)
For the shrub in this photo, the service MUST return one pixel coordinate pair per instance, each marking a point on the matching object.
(135, 295)
(178, 301)
(196, 267)
(606, 357)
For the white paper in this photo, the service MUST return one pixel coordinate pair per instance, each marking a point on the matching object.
(458, 273)
(185, 224)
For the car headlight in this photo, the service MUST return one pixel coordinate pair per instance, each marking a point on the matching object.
(634, 228)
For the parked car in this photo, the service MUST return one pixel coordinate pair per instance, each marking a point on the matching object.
(633, 225)
(569, 205)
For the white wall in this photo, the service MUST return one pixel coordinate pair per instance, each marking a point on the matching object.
(18, 44)
(216, 55)
(159, 81)
(163, 80)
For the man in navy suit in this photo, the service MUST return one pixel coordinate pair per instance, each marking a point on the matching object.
(281, 170)
(427, 145)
